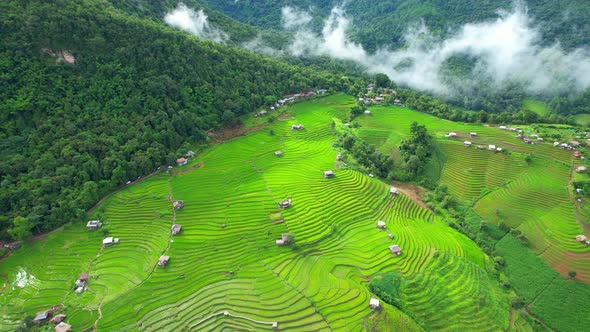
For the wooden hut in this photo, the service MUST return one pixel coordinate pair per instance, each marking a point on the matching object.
(163, 260)
(285, 203)
(381, 224)
(581, 169)
(176, 228)
(178, 204)
(279, 153)
(467, 143)
(109, 241)
(63, 327)
(374, 303)
(285, 239)
(394, 191)
(181, 161)
(328, 174)
(58, 318)
(395, 249)
(93, 224)
(581, 238)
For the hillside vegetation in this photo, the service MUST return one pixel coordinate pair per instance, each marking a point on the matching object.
(138, 94)
(386, 22)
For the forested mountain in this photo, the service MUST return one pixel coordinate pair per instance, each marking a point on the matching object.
(380, 23)
(137, 92)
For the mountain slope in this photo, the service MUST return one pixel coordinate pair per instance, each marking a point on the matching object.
(137, 92)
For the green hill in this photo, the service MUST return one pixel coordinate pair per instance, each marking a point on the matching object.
(138, 95)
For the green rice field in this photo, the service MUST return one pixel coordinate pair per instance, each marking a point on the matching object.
(227, 274)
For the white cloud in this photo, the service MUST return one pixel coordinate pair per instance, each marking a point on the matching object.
(293, 17)
(193, 22)
(506, 49)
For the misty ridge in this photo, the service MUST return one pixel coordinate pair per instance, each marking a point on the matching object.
(492, 55)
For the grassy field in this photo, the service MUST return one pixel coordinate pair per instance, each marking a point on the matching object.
(582, 119)
(536, 106)
(225, 258)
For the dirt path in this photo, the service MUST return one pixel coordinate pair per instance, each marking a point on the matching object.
(413, 191)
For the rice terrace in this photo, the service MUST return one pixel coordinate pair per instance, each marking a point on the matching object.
(243, 238)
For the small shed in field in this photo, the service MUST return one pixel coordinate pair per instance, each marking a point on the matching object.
(279, 153)
(467, 143)
(394, 191)
(472, 134)
(93, 224)
(58, 318)
(492, 147)
(109, 241)
(367, 112)
(181, 161)
(63, 327)
(328, 174)
(178, 204)
(285, 239)
(581, 238)
(176, 228)
(163, 260)
(395, 249)
(577, 154)
(581, 169)
(381, 224)
(285, 203)
(374, 303)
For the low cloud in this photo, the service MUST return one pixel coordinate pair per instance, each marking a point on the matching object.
(294, 18)
(507, 49)
(193, 22)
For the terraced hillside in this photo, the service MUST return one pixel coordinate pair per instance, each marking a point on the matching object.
(533, 196)
(225, 271)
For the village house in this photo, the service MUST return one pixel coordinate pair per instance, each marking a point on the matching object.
(190, 153)
(452, 134)
(163, 260)
(263, 112)
(498, 149)
(555, 143)
(279, 153)
(503, 127)
(491, 147)
(63, 327)
(93, 224)
(109, 241)
(395, 249)
(381, 224)
(393, 191)
(527, 140)
(577, 154)
(581, 238)
(285, 239)
(328, 174)
(43, 316)
(181, 161)
(580, 169)
(467, 143)
(374, 303)
(285, 203)
(176, 228)
(481, 147)
(297, 127)
(540, 139)
(472, 134)
(178, 204)
(58, 319)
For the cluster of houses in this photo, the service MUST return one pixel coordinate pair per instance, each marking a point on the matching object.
(583, 239)
(379, 98)
(290, 98)
(490, 147)
(48, 315)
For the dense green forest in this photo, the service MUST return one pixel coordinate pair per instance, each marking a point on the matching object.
(137, 93)
(386, 22)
